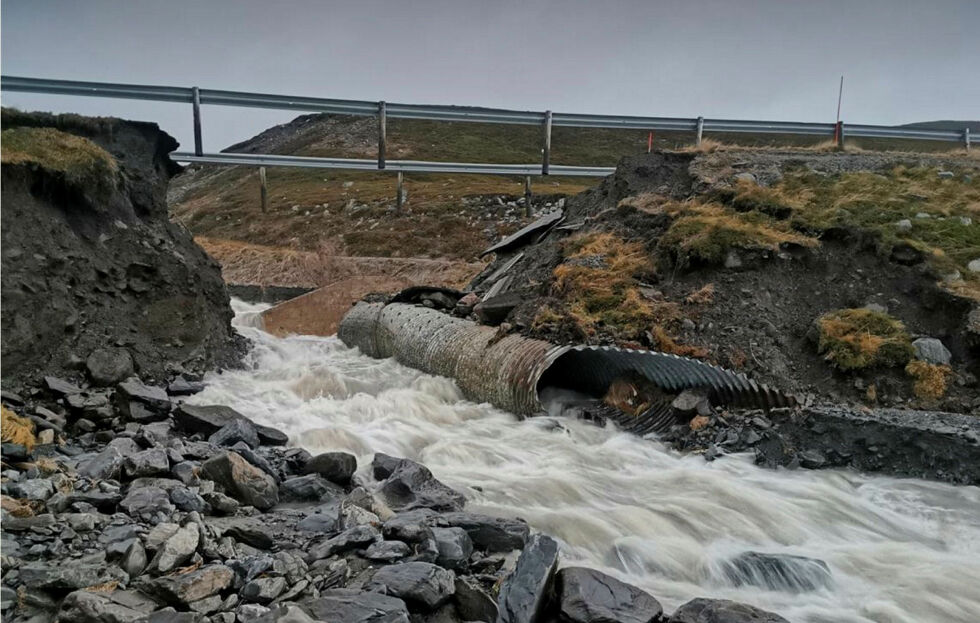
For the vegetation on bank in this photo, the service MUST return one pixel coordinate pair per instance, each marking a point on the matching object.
(856, 339)
(79, 160)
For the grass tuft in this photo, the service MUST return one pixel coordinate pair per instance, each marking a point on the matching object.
(931, 380)
(17, 429)
(855, 339)
(81, 161)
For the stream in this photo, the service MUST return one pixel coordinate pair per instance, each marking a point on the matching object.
(899, 550)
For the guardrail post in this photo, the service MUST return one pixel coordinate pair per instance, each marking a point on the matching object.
(263, 191)
(400, 196)
(546, 161)
(527, 196)
(700, 134)
(196, 101)
(966, 138)
(839, 134)
(382, 135)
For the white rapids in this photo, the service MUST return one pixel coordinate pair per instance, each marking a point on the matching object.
(900, 550)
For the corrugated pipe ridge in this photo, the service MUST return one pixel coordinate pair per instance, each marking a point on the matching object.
(507, 372)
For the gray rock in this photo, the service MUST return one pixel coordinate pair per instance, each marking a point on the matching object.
(169, 615)
(207, 605)
(246, 613)
(387, 551)
(208, 419)
(358, 537)
(60, 386)
(183, 387)
(159, 534)
(524, 594)
(342, 605)
(410, 526)
(974, 266)
(133, 389)
(947, 175)
(290, 565)
(90, 607)
(152, 462)
(779, 572)
(235, 431)
(134, 560)
(589, 596)
(472, 602)
(221, 503)
(931, 350)
(311, 487)
(904, 225)
(263, 590)
(454, 547)
(287, 613)
(8, 598)
(148, 503)
(32, 489)
(177, 549)
(68, 575)
(256, 459)
(337, 467)
(241, 480)
(490, 534)
(423, 586)
(721, 610)
(411, 485)
(108, 366)
(107, 464)
(182, 589)
(186, 500)
(186, 472)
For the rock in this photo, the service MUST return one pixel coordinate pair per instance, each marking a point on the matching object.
(147, 503)
(590, 596)
(812, 459)
(494, 310)
(689, 403)
(904, 225)
(152, 462)
(186, 500)
(263, 590)
(524, 593)
(255, 459)
(89, 607)
(108, 366)
(383, 465)
(465, 305)
(946, 175)
(387, 551)
(182, 589)
(208, 419)
(182, 387)
(472, 602)
(745, 177)
(337, 467)
(354, 538)
(423, 586)
(311, 487)
(732, 260)
(489, 534)
(177, 549)
(411, 485)
(779, 572)
(248, 533)
(169, 615)
(34, 489)
(134, 560)
(905, 254)
(235, 431)
(68, 575)
(286, 613)
(60, 386)
(244, 482)
(931, 350)
(135, 390)
(722, 611)
(342, 605)
(159, 534)
(974, 266)
(410, 526)
(106, 465)
(454, 546)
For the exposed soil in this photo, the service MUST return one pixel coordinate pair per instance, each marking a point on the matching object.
(759, 317)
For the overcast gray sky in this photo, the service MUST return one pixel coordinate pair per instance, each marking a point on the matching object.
(903, 60)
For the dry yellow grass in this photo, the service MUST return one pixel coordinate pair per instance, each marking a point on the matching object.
(854, 339)
(931, 380)
(17, 429)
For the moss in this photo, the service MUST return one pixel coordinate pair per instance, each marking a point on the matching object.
(930, 380)
(855, 339)
(82, 162)
(705, 233)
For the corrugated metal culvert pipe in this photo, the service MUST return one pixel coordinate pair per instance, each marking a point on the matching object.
(510, 372)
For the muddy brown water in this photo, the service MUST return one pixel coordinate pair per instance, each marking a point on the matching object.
(899, 550)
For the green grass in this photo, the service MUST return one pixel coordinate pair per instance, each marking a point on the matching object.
(855, 339)
(79, 160)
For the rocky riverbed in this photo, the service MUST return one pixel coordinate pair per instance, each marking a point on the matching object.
(126, 504)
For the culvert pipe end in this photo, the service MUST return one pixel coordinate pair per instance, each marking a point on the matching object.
(509, 370)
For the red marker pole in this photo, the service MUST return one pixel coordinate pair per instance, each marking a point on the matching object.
(649, 142)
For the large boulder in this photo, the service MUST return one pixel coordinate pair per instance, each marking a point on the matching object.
(722, 611)
(181, 589)
(409, 485)
(209, 419)
(343, 605)
(337, 467)
(241, 480)
(423, 586)
(91, 257)
(525, 594)
(780, 572)
(590, 596)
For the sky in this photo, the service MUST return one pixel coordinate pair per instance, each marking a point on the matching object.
(902, 60)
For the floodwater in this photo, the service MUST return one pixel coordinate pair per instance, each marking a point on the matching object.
(899, 550)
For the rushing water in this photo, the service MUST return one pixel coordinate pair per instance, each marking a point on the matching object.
(899, 550)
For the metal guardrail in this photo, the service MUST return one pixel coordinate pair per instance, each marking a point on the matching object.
(382, 110)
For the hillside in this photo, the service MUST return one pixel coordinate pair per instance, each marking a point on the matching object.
(446, 216)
